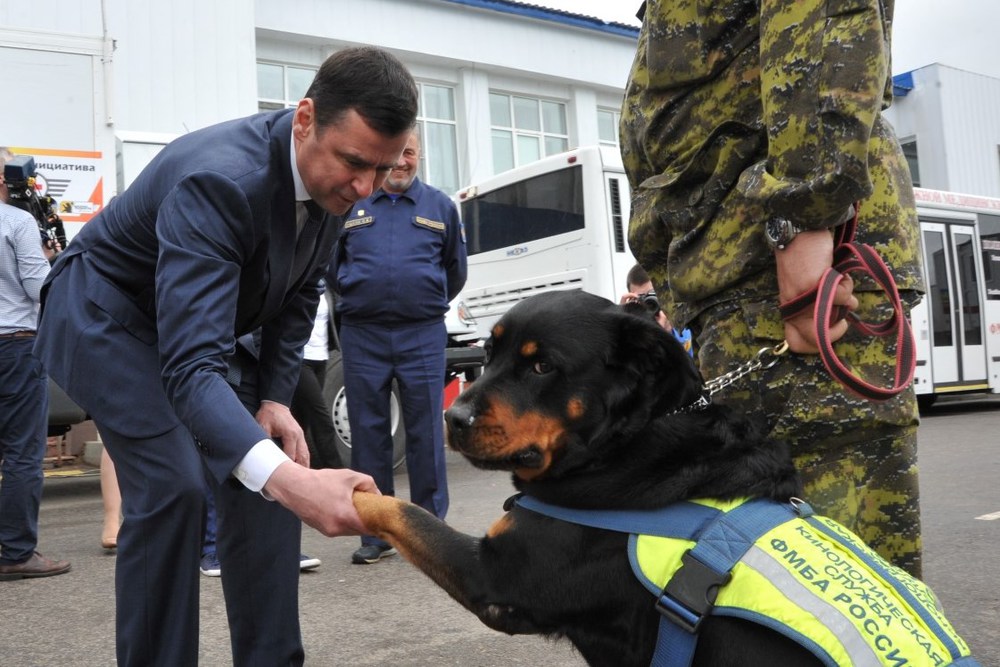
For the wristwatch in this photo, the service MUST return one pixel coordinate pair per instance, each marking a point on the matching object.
(779, 232)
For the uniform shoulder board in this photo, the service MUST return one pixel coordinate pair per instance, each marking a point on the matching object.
(433, 224)
(359, 222)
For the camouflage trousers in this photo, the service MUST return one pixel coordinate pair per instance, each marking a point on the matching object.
(857, 459)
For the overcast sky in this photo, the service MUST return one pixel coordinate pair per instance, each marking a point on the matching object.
(959, 33)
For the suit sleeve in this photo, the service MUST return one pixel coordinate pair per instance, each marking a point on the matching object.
(283, 338)
(204, 231)
(824, 68)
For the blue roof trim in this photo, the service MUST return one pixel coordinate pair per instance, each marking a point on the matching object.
(554, 15)
(902, 84)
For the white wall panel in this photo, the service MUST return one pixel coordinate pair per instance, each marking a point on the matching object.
(955, 117)
(465, 35)
(971, 128)
(184, 64)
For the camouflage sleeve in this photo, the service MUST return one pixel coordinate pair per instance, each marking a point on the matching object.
(824, 68)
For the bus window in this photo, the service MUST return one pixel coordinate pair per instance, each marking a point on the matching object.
(972, 327)
(937, 288)
(532, 209)
(989, 234)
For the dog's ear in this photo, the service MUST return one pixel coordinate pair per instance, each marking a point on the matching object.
(667, 376)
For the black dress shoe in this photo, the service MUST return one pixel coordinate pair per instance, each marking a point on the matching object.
(33, 568)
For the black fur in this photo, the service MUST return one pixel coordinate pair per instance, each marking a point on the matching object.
(583, 403)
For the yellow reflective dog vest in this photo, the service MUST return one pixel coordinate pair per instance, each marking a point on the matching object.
(782, 566)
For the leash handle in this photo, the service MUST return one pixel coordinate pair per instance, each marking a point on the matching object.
(852, 257)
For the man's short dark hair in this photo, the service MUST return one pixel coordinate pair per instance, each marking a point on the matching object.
(636, 276)
(369, 80)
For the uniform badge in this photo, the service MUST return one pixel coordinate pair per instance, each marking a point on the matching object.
(359, 222)
(430, 224)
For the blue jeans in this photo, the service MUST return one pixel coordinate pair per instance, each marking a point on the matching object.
(24, 409)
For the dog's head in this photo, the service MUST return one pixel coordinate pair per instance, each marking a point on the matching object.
(566, 373)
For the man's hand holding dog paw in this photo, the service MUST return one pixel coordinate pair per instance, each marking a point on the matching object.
(378, 512)
(321, 498)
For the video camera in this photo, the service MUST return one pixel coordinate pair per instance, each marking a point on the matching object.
(19, 173)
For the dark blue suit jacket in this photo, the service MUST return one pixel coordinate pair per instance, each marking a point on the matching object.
(142, 310)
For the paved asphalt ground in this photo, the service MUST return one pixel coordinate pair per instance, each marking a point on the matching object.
(390, 614)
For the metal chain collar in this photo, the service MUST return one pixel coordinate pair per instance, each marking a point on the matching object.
(765, 358)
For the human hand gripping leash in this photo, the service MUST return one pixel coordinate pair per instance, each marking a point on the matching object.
(852, 257)
(849, 257)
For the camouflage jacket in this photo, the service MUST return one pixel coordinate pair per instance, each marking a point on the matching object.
(737, 111)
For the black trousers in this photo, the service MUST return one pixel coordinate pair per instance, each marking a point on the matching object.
(311, 411)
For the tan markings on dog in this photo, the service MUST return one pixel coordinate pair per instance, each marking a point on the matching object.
(497, 330)
(517, 432)
(575, 408)
(382, 515)
(529, 348)
(501, 525)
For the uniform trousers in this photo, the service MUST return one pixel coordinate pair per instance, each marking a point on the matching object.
(310, 409)
(415, 357)
(24, 408)
(857, 459)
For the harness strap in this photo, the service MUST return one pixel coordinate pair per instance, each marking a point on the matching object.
(683, 520)
(852, 257)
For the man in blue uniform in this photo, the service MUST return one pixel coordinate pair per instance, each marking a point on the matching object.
(401, 259)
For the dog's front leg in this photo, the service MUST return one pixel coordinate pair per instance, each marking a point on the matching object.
(450, 558)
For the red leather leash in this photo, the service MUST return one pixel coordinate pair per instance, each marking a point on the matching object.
(852, 257)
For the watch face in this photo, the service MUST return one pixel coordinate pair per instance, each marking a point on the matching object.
(778, 232)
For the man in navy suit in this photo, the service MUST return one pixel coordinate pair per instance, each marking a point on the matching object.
(225, 234)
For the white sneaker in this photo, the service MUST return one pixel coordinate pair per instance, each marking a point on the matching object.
(308, 563)
(210, 566)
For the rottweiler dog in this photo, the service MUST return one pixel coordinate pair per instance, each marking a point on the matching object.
(587, 406)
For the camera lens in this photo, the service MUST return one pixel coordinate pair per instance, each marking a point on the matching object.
(650, 302)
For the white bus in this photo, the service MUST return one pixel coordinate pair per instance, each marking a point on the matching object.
(957, 325)
(561, 224)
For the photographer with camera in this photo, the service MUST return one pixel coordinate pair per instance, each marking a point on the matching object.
(19, 174)
(640, 292)
(24, 401)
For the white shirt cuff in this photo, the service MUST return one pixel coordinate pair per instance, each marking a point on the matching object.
(258, 464)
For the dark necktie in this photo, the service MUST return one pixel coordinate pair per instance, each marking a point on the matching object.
(308, 220)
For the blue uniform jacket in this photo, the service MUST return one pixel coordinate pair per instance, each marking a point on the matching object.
(197, 251)
(400, 262)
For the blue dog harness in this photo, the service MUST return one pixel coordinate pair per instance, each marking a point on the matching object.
(779, 565)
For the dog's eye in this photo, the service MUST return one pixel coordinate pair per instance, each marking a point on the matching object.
(487, 354)
(541, 368)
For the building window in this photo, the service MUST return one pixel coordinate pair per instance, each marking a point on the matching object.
(910, 153)
(281, 86)
(607, 126)
(525, 129)
(438, 137)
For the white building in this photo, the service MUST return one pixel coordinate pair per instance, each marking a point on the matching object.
(948, 123)
(502, 83)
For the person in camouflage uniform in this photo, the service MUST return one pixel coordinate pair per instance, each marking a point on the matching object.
(740, 111)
